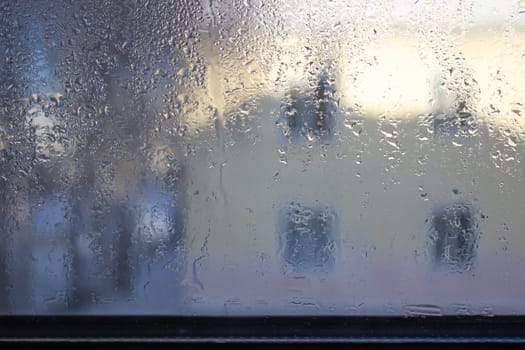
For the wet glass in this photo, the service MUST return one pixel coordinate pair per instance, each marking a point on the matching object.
(262, 157)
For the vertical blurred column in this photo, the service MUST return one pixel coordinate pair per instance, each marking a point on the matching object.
(18, 152)
(7, 41)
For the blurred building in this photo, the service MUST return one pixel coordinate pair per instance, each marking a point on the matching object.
(331, 158)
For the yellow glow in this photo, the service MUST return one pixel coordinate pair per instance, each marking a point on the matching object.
(398, 74)
(498, 65)
(389, 78)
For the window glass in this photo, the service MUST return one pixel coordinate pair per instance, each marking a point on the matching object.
(262, 157)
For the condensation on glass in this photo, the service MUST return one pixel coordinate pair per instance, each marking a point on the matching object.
(262, 157)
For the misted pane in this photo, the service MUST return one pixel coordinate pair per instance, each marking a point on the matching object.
(262, 157)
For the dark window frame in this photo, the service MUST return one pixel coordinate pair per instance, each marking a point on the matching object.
(268, 330)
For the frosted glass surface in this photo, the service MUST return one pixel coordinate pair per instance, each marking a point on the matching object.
(262, 157)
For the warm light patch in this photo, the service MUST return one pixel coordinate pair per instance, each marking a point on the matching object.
(389, 78)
